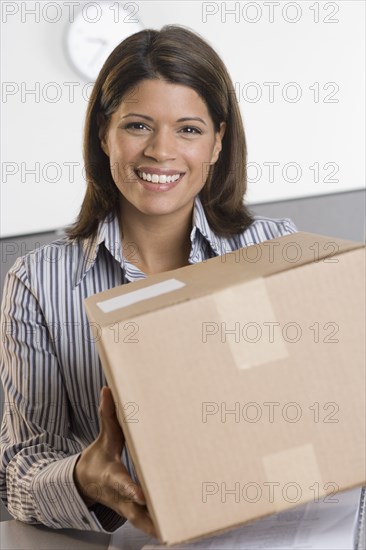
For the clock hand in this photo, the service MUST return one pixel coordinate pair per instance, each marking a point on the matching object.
(94, 39)
(103, 45)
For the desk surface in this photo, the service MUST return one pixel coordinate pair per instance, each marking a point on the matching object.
(15, 535)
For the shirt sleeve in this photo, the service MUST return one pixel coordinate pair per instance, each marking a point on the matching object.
(38, 451)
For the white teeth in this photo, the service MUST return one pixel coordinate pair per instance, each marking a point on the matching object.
(155, 178)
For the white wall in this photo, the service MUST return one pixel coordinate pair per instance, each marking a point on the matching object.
(324, 129)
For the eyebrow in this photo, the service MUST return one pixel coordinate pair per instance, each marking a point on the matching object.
(184, 119)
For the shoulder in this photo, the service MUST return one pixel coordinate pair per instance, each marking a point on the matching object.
(262, 229)
(47, 259)
(61, 248)
(272, 228)
(64, 263)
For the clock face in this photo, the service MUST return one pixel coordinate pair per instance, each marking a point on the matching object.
(95, 31)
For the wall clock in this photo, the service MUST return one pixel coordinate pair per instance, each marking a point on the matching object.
(95, 30)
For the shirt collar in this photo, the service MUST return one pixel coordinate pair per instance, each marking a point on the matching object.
(218, 245)
(109, 233)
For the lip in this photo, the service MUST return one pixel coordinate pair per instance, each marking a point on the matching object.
(159, 187)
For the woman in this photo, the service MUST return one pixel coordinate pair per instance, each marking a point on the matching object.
(165, 158)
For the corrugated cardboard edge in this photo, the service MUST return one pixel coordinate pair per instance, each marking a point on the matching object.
(130, 445)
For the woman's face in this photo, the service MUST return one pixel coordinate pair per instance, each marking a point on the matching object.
(160, 142)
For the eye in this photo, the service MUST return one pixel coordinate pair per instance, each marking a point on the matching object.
(191, 130)
(135, 126)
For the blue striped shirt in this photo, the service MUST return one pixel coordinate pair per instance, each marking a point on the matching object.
(50, 367)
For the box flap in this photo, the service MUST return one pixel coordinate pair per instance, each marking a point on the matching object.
(245, 264)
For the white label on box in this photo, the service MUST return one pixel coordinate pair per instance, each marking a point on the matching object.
(135, 296)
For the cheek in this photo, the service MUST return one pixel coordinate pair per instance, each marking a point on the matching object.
(122, 155)
(199, 155)
(202, 162)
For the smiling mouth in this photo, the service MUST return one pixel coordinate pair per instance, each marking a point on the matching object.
(158, 178)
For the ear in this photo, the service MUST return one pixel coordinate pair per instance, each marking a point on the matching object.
(102, 130)
(218, 142)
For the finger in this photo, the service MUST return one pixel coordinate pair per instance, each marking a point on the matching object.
(110, 427)
(109, 408)
(124, 488)
(115, 489)
(140, 518)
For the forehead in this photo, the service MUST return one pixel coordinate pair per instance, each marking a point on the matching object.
(161, 97)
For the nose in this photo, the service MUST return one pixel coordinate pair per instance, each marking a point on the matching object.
(160, 146)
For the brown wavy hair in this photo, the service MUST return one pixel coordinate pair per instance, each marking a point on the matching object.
(176, 55)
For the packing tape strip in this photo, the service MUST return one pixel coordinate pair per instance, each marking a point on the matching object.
(295, 475)
(246, 316)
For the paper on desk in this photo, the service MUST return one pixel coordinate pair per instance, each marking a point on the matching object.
(128, 537)
(312, 526)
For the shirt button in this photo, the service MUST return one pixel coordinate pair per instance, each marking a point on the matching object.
(85, 520)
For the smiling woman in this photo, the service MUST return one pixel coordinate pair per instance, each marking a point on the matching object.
(165, 159)
(199, 81)
(148, 149)
(157, 155)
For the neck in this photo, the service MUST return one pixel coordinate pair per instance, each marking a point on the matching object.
(156, 243)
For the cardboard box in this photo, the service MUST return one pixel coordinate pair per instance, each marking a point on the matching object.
(240, 381)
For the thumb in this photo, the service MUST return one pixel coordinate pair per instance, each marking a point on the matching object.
(109, 425)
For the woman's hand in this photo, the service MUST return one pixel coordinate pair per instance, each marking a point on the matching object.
(100, 476)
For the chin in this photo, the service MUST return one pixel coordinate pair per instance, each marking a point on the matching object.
(157, 206)
(157, 211)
